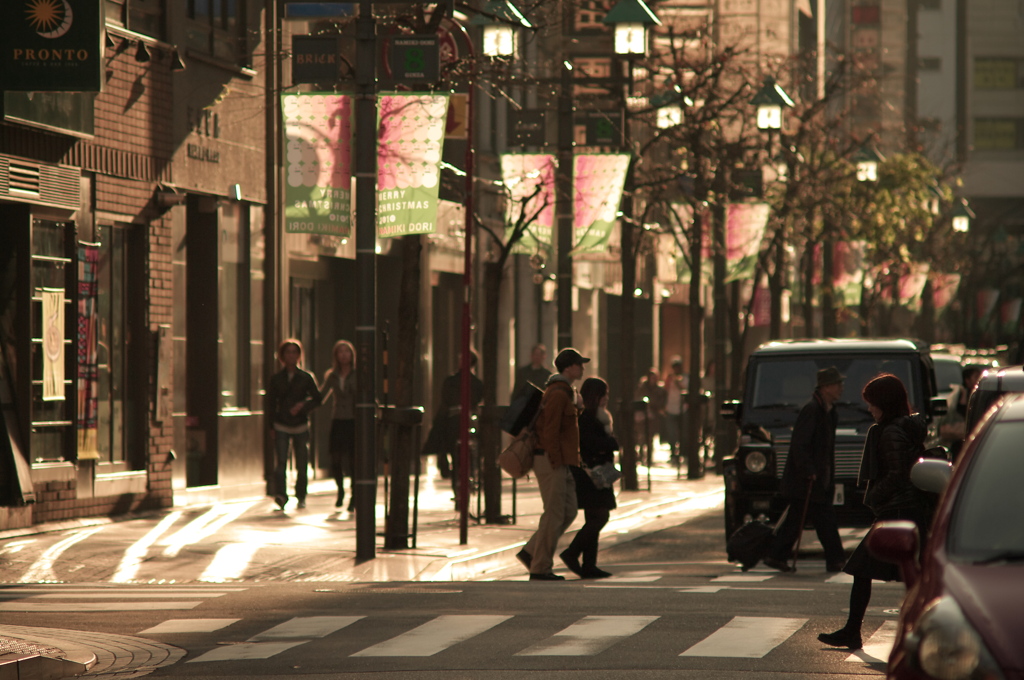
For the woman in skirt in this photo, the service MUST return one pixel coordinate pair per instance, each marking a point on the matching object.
(893, 445)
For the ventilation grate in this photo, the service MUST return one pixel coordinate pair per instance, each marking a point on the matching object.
(24, 179)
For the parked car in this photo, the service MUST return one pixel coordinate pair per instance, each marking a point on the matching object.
(961, 617)
(780, 378)
(994, 383)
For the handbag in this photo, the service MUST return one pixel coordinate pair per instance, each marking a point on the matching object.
(517, 458)
(604, 475)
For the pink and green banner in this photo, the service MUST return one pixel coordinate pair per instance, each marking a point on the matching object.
(529, 180)
(944, 289)
(410, 138)
(318, 170)
(598, 180)
(744, 229)
(848, 271)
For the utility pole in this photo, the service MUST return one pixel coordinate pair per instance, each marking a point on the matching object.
(365, 479)
(563, 202)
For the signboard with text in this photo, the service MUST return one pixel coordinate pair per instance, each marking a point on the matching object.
(51, 46)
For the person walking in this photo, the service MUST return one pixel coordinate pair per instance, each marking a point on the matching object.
(808, 480)
(597, 446)
(893, 445)
(676, 385)
(340, 384)
(535, 372)
(649, 419)
(291, 395)
(558, 449)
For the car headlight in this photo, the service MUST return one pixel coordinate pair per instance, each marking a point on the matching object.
(755, 461)
(948, 647)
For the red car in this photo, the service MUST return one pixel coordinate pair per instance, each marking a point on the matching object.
(963, 616)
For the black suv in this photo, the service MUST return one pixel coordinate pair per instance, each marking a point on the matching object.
(780, 379)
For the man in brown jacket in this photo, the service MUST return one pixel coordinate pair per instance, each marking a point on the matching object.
(558, 448)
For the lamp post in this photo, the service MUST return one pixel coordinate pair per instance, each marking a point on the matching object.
(770, 101)
(962, 216)
(866, 160)
(631, 20)
(499, 40)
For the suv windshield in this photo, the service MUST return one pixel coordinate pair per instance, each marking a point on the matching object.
(984, 525)
(784, 384)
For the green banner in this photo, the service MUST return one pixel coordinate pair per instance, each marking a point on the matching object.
(318, 171)
(51, 45)
(410, 137)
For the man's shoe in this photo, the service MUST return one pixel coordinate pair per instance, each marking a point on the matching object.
(573, 562)
(341, 500)
(835, 567)
(546, 577)
(594, 572)
(281, 500)
(784, 567)
(842, 638)
(302, 504)
(524, 557)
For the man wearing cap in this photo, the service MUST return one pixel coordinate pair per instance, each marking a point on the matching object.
(558, 448)
(810, 468)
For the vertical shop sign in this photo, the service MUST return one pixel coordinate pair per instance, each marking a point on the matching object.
(53, 344)
(88, 373)
(598, 180)
(51, 45)
(411, 133)
(529, 180)
(318, 170)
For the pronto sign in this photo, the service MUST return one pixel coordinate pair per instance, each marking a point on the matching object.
(51, 45)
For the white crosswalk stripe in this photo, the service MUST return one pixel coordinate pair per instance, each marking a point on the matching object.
(589, 636)
(878, 646)
(434, 636)
(747, 637)
(114, 599)
(280, 638)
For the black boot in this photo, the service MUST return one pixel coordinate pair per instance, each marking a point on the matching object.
(844, 637)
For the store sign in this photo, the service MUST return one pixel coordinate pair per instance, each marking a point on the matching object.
(315, 59)
(51, 45)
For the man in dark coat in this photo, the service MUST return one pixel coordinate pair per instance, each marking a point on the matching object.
(810, 467)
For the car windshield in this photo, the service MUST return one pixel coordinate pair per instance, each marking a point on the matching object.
(947, 373)
(986, 524)
(785, 384)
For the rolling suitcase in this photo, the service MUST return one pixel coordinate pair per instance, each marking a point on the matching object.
(749, 543)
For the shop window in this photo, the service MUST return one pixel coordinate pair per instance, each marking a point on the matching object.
(111, 346)
(52, 327)
(998, 134)
(235, 304)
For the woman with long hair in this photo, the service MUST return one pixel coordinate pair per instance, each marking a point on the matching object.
(291, 395)
(340, 382)
(893, 445)
(597, 446)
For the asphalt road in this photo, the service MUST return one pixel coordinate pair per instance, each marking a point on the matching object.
(675, 608)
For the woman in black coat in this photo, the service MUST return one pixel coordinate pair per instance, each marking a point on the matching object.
(893, 445)
(597, 446)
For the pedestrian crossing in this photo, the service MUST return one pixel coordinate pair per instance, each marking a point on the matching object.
(741, 637)
(100, 599)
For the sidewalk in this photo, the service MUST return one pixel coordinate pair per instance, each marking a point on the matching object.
(438, 555)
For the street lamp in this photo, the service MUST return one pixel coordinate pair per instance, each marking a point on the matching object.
(631, 19)
(867, 159)
(668, 108)
(962, 216)
(770, 100)
(500, 20)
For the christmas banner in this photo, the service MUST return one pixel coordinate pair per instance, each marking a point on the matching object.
(944, 288)
(53, 344)
(744, 228)
(318, 172)
(848, 272)
(410, 137)
(529, 181)
(598, 180)
(88, 374)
